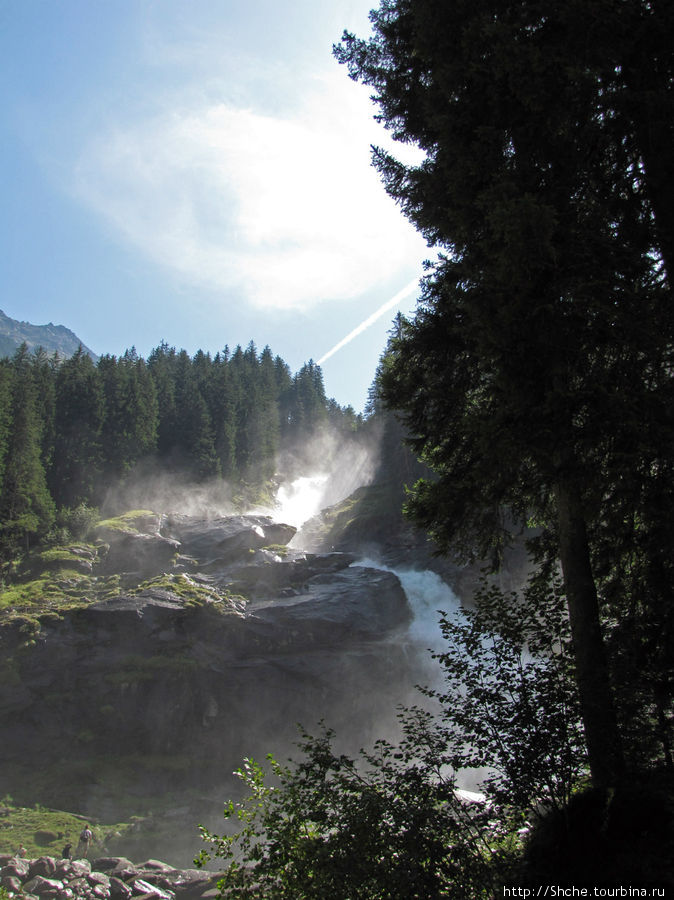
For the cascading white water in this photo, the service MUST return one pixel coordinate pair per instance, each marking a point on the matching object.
(428, 595)
(297, 501)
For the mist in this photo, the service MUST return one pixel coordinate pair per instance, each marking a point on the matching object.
(322, 471)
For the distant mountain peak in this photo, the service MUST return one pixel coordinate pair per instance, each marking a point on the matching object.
(53, 338)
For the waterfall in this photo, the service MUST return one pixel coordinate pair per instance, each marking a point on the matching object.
(427, 595)
(297, 501)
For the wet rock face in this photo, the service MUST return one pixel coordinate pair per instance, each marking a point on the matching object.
(199, 684)
(108, 878)
(224, 539)
(154, 543)
(141, 554)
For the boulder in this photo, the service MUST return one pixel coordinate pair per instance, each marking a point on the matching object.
(355, 603)
(40, 886)
(16, 867)
(124, 870)
(11, 883)
(143, 888)
(43, 838)
(68, 869)
(119, 890)
(152, 879)
(194, 684)
(278, 578)
(155, 865)
(154, 605)
(44, 866)
(98, 878)
(222, 540)
(106, 863)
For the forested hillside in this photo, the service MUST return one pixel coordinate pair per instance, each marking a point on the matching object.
(69, 429)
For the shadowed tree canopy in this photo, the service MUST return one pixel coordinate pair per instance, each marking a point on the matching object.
(535, 377)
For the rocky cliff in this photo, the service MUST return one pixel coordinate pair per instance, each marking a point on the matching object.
(179, 645)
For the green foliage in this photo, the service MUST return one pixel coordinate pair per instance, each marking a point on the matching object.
(385, 827)
(80, 521)
(26, 507)
(78, 421)
(193, 592)
(509, 702)
(357, 518)
(279, 549)
(56, 591)
(129, 430)
(391, 824)
(127, 522)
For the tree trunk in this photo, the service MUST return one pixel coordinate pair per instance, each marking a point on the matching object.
(603, 740)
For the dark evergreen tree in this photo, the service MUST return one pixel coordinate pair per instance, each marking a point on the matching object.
(544, 332)
(223, 399)
(263, 424)
(193, 433)
(26, 507)
(129, 430)
(6, 381)
(44, 369)
(308, 401)
(75, 475)
(162, 364)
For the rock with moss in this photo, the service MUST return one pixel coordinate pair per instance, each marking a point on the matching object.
(146, 681)
(219, 541)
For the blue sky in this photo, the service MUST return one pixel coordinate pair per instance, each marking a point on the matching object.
(198, 172)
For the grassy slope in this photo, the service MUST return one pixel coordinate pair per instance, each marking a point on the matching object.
(44, 832)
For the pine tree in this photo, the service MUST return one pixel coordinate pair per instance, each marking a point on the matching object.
(26, 507)
(308, 401)
(6, 379)
(129, 431)
(193, 437)
(75, 475)
(162, 364)
(544, 330)
(222, 400)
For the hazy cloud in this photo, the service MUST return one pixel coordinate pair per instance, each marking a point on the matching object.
(285, 208)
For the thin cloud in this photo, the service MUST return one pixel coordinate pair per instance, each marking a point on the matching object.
(377, 314)
(284, 210)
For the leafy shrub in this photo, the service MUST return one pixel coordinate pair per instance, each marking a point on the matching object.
(79, 521)
(391, 824)
(509, 702)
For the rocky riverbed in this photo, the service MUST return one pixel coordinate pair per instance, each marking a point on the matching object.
(105, 878)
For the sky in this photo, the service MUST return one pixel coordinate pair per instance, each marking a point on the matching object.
(199, 173)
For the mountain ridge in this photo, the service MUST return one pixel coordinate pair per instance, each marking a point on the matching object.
(53, 338)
